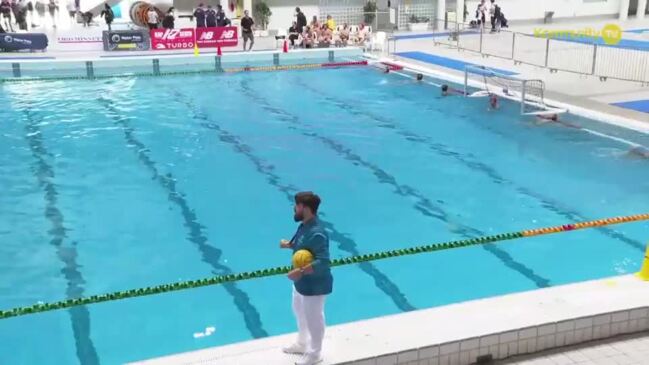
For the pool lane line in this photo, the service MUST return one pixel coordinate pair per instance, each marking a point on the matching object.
(270, 68)
(345, 243)
(282, 270)
(45, 175)
(476, 165)
(423, 205)
(209, 253)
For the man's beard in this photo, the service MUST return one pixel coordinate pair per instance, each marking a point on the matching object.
(298, 217)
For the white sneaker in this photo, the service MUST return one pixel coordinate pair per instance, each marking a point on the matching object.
(295, 348)
(309, 359)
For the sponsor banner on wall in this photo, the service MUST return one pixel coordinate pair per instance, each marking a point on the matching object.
(18, 41)
(126, 40)
(217, 36)
(79, 41)
(166, 39)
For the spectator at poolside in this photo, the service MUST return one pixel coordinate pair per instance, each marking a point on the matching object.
(72, 10)
(300, 20)
(480, 13)
(152, 18)
(325, 36)
(86, 18)
(52, 7)
(308, 37)
(221, 19)
(344, 35)
(247, 25)
(199, 14)
(169, 19)
(108, 15)
(210, 17)
(331, 23)
(363, 34)
(293, 34)
(5, 15)
(315, 24)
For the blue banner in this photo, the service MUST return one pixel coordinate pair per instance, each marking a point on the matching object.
(18, 41)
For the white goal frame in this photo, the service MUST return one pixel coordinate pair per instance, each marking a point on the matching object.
(528, 92)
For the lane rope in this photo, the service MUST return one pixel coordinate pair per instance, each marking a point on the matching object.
(194, 72)
(216, 280)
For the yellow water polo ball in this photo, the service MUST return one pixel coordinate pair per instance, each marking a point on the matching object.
(302, 258)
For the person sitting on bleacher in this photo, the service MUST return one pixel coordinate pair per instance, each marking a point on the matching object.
(331, 23)
(363, 34)
(308, 37)
(325, 36)
(315, 24)
(344, 35)
(293, 34)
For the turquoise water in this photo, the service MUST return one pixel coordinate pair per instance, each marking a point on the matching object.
(122, 183)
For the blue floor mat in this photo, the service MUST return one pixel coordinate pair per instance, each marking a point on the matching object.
(637, 105)
(446, 62)
(639, 31)
(624, 43)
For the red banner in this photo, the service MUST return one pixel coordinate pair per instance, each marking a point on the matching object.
(165, 39)
(218, 36)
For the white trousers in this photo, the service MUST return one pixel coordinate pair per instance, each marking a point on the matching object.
(309, 313)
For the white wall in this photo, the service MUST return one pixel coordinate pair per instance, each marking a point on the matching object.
(535, 9)
(284, 11)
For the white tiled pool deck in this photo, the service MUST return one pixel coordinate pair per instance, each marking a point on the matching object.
(457, 334)
(622, 350)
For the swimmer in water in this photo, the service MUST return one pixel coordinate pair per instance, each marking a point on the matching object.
(639, 152)
(420, 77)
(554, 118)
(493, 102)
(448, 90)
(387, 70)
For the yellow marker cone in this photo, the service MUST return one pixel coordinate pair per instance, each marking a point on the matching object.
(644, 272)
(196, 51)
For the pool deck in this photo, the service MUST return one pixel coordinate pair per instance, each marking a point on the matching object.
(587, 92)
(457, 334)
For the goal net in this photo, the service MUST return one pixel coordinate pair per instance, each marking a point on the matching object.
(528, 92)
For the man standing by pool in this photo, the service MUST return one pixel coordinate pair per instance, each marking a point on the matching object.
(312, 283)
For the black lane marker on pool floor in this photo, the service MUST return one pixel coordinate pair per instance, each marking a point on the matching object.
(424, 205)
(44, 173)
(266, 169)
(444, 150)
(209, 254)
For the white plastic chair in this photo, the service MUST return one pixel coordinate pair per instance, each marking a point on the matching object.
(378, 41)
(282, 35)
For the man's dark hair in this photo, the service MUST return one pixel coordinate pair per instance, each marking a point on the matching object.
(297, 10)
(308, 199)
(444, 87)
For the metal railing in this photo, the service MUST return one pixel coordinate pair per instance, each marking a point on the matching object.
(579, 57)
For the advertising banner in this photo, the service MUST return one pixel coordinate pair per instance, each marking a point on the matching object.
(18, 41)
(90, 40)
(126, 40)
(217, 36)
(166, 39)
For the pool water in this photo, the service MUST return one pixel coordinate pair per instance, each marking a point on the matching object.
(122, 183)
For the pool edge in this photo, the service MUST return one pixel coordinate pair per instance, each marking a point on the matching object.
(500, 327)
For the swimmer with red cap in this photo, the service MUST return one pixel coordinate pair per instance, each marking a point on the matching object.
(493, 101)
